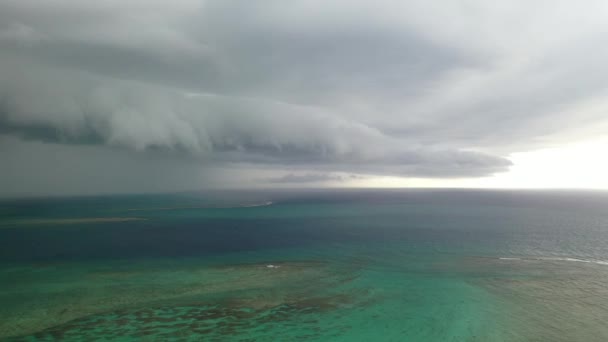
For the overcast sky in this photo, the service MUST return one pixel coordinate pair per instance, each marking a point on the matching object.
(138, 96)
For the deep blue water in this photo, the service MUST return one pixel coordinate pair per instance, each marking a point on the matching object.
(196, 224)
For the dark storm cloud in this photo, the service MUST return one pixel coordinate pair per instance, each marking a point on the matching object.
(410, 88)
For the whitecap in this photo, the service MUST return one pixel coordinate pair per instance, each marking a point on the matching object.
(568, 259)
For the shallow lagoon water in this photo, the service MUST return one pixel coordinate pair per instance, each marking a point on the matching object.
(326, 266)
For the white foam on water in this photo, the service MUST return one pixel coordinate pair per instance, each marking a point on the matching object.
(265, 204)
(597, 262)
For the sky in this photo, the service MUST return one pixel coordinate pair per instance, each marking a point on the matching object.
(152, 96)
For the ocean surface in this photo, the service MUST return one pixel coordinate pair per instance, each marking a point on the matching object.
(343, 265)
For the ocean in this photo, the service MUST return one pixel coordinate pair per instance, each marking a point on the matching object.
(306, 265)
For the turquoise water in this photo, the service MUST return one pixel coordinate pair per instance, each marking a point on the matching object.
(311, 266)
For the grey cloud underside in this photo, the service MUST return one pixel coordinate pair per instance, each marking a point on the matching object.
(234, 131)
(292, 178)
(410, 89)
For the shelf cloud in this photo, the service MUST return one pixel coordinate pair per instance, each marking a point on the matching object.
(409, 89)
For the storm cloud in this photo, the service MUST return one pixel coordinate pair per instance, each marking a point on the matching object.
(410, 89)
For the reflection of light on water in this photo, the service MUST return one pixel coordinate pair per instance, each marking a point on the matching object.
(550, 298)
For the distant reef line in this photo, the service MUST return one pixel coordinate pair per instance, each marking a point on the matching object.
(77, 220)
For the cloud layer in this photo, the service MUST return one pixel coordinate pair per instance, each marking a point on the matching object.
(413, 88)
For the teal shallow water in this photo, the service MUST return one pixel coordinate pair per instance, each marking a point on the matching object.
(426, 266)
(317, 299)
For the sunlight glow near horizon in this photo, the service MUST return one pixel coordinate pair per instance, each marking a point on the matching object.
(581, 165)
